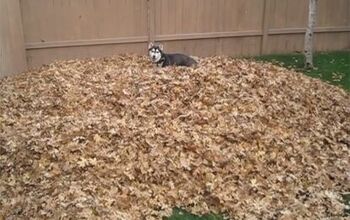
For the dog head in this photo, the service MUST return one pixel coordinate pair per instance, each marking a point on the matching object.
(155, 52)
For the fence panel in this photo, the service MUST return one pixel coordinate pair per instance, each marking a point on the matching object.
(63, 29)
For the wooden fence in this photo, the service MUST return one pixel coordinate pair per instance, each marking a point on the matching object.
(12, 51)
(63, 29)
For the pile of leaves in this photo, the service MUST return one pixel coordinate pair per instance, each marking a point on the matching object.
(117, 138)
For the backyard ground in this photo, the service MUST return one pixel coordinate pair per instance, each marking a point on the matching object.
(331, 67)
(115, 138)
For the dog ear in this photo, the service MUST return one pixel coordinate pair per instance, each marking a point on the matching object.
(161, 46)
(150, 45)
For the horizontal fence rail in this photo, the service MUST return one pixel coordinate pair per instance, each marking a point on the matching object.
(177, 37)
(61, 29)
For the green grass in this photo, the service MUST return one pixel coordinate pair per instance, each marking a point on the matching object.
(332, 67)
(346, 200)
(180, 214)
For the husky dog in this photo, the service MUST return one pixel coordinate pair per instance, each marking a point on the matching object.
(162, 59)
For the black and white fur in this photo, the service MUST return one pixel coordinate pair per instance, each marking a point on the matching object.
(162, 59)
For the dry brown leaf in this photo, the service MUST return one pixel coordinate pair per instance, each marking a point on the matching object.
(115, 138)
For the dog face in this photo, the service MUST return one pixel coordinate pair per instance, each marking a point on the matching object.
(155, 52)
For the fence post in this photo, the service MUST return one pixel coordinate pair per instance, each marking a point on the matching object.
(265, 26)
(151, 20)
(12, 50)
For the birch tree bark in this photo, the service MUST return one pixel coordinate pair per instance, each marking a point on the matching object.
(308, 45)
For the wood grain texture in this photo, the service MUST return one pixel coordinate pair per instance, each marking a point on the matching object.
(197, 27)
(265, 25)
(12, 51)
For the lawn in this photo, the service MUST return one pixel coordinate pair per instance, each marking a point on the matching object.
(116, 138)
(332, 67)
(179, 214)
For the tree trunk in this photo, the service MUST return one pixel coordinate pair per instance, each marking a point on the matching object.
(309, 34)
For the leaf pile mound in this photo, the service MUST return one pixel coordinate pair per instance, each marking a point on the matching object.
(115, 138)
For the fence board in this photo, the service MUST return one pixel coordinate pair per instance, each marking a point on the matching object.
(48, 55)
(12, 51)
(59, 20)
(333, 13)
(63, 29)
